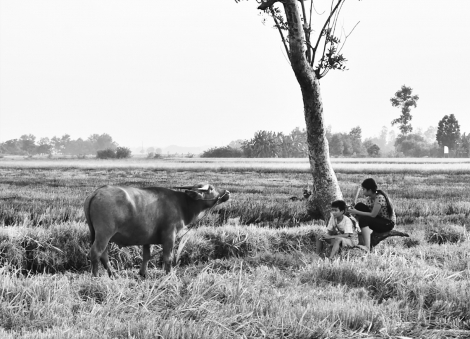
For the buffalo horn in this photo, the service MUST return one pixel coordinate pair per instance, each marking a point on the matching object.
(203, 188)
(183, 187)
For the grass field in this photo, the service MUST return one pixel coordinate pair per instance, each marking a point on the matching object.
(259, 279)
(269, 165)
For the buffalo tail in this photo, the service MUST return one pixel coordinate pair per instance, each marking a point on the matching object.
(87, 206)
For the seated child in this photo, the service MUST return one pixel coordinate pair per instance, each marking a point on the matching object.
(340, 230)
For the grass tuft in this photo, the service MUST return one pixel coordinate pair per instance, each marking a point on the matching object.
(445, 234)
(410, 242)
(94, 290)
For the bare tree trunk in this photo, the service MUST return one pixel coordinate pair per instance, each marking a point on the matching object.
(325, 184)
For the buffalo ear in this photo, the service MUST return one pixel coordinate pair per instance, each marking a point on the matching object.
(194, 195)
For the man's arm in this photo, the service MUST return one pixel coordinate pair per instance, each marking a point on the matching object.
(373, 213)
(345, 235)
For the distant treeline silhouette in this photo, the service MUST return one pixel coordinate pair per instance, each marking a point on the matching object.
(103, 146)
(267, 144)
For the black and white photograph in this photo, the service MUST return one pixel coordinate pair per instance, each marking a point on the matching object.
(253, 169)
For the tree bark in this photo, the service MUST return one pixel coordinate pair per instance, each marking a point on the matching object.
(325, 185)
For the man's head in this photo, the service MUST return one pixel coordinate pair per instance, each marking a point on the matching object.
(338, 207)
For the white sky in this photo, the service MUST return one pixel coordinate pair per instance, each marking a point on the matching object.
(208, 72)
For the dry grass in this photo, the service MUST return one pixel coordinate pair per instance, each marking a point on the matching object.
(386, 294)
(43, 197)
(340, 165)
(234, 281)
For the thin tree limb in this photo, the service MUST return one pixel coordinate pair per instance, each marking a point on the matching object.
(335, 20)
(303, 13)
(310, 20)
(346, 36)
(288, 61)
(316, 9)
(323, 28)
(306, 30)
(332, 33)
(325, 72)
(328, 28)
(309, 46)
(280, 32)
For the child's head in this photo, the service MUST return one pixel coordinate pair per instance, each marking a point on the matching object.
(338, 207)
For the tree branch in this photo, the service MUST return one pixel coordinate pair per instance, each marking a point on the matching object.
(323, 28)
(310, 20)
(267, 4)
(346, 37)
(315, 9)
(332, 33)
(280, 32)
(335, 20)
(306, 30)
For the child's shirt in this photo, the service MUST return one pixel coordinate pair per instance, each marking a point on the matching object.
(345, 226)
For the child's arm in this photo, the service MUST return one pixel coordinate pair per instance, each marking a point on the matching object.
(348, 229)
(330, 227)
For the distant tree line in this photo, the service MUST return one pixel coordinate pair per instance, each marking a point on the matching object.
(103, 146)
(264, 144)
(268, 144)
(428, 143)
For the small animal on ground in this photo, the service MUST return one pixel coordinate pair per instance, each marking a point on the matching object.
(131, 216)
(306, 194)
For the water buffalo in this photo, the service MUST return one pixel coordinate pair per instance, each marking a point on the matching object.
(143, 216)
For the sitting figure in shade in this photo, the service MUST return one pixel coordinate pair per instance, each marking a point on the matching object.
(375, 215)
(340, 230)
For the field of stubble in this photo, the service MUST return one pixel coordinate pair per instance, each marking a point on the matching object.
(256, 279)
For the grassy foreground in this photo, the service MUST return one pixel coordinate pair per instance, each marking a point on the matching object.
(239, 281)
(234, 281)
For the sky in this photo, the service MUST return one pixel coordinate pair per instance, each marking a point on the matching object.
(196, 73)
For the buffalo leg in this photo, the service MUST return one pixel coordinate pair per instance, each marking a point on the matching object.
(97, 249)
(167, 253)
(145, 259)
(105, 261)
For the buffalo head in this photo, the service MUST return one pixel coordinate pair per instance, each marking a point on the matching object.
(206, 192)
